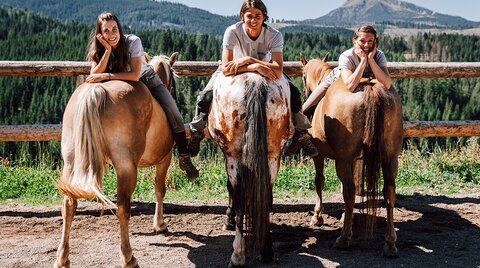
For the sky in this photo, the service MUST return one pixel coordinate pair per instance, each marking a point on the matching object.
(311, 9)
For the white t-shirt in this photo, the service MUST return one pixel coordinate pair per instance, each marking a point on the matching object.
(135, 49)
(348, 59)
(270, 40)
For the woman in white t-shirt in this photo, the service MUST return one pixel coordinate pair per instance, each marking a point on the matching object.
(364, 59)
(121, 57)
(251, 45)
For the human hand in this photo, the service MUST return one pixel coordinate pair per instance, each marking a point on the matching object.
(371, 54)
(104, 42)
(265, 71)
(95, 78)
(360, 52)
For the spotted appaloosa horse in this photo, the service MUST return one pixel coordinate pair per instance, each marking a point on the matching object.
(250, 121)
(350, 127)
(119, 123)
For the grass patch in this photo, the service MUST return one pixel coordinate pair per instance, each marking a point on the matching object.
(440, 172)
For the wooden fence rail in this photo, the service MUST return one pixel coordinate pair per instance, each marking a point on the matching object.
(205, 69)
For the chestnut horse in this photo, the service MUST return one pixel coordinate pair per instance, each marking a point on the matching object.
(250, 121)
(350, 127)
(120, 123)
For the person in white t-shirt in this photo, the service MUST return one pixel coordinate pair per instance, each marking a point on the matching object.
(364, 59)
(119, 56)
(251, 45)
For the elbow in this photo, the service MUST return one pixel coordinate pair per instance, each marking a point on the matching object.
(387, 85)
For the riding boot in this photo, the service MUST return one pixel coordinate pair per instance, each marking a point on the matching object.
(184, 160)
(301, 137)
(194, 145)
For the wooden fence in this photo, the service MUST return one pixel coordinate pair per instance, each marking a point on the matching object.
(205, 69)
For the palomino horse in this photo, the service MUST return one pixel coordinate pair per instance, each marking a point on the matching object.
(347, 126)
(120, 123)
(250, 121)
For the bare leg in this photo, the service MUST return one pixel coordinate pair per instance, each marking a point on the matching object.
(317, 219)
(69, 206)
(390, 167)
(159, 225)
(345, 173)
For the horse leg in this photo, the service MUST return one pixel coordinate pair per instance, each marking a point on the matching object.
(127, 179)
(390, 168)
(229, 223)
(238, 256)
(358, 175)
(69, 206)
(159, 225)
(317, 219)
(345, 173)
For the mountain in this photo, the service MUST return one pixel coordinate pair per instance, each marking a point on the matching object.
(354, 12)
(136, 14)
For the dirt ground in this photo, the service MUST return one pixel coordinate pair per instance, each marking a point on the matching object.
(433, 231)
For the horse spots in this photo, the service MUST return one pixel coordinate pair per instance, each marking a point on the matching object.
(272, 101)
(234, 114)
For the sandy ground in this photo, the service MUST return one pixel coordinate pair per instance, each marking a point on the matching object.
(433, 231)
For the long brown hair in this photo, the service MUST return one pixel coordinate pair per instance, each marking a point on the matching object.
(258, 4)
(118, 61)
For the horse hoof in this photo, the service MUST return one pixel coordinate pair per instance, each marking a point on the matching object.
(341, 243)
(316, 221)
(228, 226)
(132, 263)
(65, 265)
(162, 229)
(232, 265)
(390, 251)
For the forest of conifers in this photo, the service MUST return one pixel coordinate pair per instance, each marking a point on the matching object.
(25, 36)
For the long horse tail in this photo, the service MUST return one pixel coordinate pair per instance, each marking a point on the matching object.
(374, 99)
(254, 178)
(88, 140)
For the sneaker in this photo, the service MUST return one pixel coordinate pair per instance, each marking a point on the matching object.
(302, 139)
(194, 144)
(185, 163)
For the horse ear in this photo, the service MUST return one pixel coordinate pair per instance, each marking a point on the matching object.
(325, 59)
(173, 58)
(302, 59)
(147, 57)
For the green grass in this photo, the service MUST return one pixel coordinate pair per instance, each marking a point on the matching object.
(439, 172)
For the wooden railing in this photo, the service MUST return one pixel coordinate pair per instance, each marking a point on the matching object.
(205, 69)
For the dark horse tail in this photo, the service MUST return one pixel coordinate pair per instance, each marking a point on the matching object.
(374, 101)
(254, 174)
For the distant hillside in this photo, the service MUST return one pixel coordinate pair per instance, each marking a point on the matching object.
(136, 14)
(389, 11)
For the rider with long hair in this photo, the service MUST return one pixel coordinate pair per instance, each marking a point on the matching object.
(364, 59)
(119, 56)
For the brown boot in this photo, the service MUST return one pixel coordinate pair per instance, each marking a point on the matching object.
(302, 139)
(194, 144)
(185, 163)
